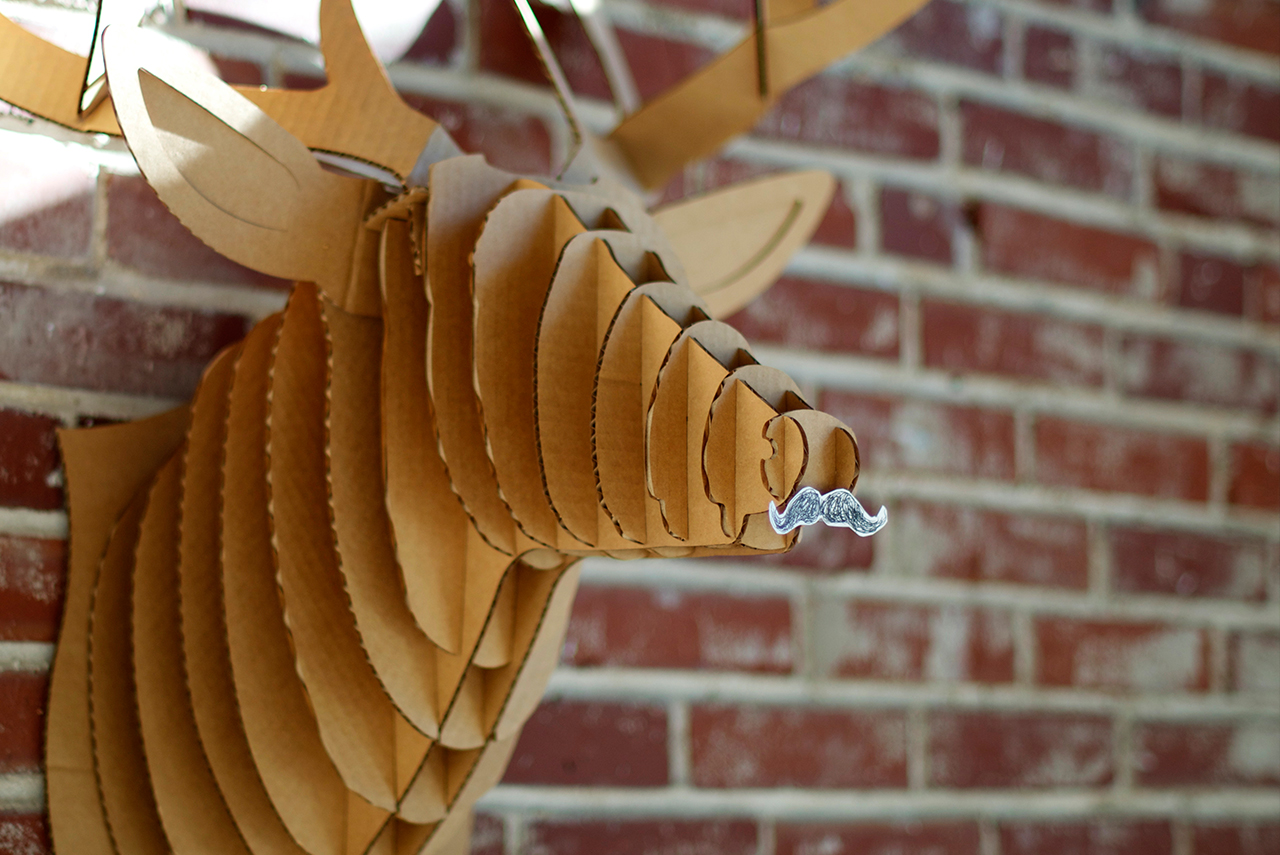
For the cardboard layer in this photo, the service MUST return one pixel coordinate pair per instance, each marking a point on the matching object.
(106, 468)
(207, 659)
(193, 813)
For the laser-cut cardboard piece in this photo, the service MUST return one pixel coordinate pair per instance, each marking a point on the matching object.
(312, 612)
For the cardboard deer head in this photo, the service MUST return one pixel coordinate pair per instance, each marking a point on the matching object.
(311, 610)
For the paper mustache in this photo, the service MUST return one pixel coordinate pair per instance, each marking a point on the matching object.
(837, 508)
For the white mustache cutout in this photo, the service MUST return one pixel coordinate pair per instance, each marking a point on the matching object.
(837, 508)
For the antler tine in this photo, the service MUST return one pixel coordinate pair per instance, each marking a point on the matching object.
(726, 97)
(54, 93)
(358, 112)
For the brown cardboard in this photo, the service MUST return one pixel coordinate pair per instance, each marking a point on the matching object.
(402, 655)
(192, 811)
(207, 670)
(303, 784)
(697, 115)
(108, 465)
(831, 453)
(123, 783)
(735, 241)
(356, 718)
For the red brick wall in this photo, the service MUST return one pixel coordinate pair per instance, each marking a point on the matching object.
(1048, 301)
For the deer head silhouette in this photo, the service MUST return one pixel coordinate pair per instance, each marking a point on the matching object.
(310, 611)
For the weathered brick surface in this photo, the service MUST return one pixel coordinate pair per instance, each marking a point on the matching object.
(488, 833)
(1103, 457)
(935, 838)
(979, 546)
(1252, 24)
(46, 202)
(988, 750)
(1211, 284)
(823, 316)
(1198, 372)
(785, 747)
(1254, 663)
(1255, 475)
(865, 117)
(22, 720)
(32, 577)
(1244, 107)
(1199, 754)
(638, 627)
(1143, 657)
(29, 461)
(917, 225)
(1187, 186)
(1236, 839)
(568, 743)
(888, 641)
(957, 34)
(1189, 564)
(24, 833)
(1049, 56)
(641, 837)
(1102, 838)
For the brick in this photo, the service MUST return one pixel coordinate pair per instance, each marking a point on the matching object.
(828, 549)
(144, 236)
(839, 226)
(83, 342)
(1237, 839)
(1136, 79)
(1137, 657)
(987, 546)
(822, 316)
(239, 72)
(1255, 475)
(657, 64)
(891, 641)
(929, 838)
(46, 199)
(1203, 754)
(966, 339)
(741, 9)
(32, 576)
(574, 744)
(1211, 284)
(438, 40)
(1252, 24)
(1201, 373)
(954, 33)
(509, 139)
(24, 834)
(29, 461)
(639, 627)
(1253, 663)
(1262, 293)
(1188, 564)
(1094, 837)
(1069, 253)
(1241, 106)
(641, 837)
(917, 225)
(488, 835)
(896, 434)
(22, 720)
(1210, 190)
(1025, 750)
(1049, 57)
(780, 747)
(835, 112)
(1121, 460)
(1005, 141)
(1091, 5)
(505, 48)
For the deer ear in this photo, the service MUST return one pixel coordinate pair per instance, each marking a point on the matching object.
(235, 178)
(734, 242)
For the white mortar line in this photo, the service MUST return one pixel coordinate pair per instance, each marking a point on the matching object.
(24, 522)
(22, 792)
(66, 404)
(25, 655)
(734, 688)
(853, 805)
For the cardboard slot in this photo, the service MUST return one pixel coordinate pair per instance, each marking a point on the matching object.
(106, 467)
(402, 656)
(521, 242)
(831, 453)
(426, 800)
(204, 630)
(589, 286)
(281, 730)
(514, 692)
(687, 384)
(647, 324)
(494, 649)
(124, 784)
(357, 720)
(463, 190)
(463, 726)
(427, 524)
(192, 811)
(736, 240)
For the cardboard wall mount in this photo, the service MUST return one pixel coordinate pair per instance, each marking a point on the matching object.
(311, 611)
